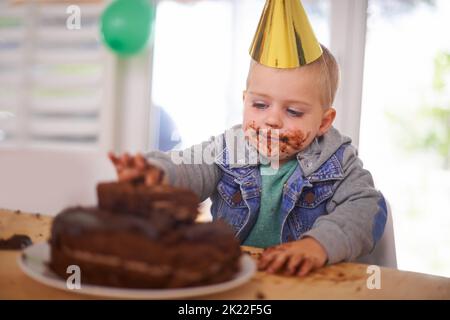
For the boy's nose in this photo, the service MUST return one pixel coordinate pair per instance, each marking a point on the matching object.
(273, 119)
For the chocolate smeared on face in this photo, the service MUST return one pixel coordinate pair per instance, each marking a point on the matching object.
(269, 143)
(294, 139)
(254, 128)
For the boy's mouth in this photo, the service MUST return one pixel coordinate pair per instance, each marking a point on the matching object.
(274, 138)
(269, 135)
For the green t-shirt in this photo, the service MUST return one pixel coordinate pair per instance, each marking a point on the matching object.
(267, 229)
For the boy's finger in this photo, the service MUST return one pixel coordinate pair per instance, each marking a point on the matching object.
(305, 268)
(140, 162)
(153, 177)
(128, 174)
(266, 259)
(278, 263)
(120, 167)
(126, 159)
(293, 264)
(123, 159)
(113, 158)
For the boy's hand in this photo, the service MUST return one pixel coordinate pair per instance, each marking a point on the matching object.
(136, 169)
(297, 257)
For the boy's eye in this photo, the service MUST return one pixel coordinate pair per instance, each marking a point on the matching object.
(295, 113)
(259, 105)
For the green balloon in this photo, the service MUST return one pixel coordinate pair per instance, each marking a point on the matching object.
(126, 25)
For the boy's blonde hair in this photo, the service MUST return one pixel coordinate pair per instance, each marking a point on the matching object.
(329, 75)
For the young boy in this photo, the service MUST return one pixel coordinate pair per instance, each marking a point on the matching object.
(305, 196)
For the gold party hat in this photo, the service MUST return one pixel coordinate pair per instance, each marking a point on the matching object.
(284, 38)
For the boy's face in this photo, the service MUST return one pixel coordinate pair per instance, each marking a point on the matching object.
(283, 110)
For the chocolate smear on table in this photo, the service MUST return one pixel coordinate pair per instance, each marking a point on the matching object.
(16, 242)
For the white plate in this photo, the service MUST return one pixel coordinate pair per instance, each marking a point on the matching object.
(38, 256)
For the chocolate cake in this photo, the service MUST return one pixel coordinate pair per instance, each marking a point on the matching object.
(145, 201)
(143, 237)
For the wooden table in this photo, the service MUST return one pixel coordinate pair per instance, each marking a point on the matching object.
(341, 281)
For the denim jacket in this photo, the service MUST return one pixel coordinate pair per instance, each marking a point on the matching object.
(329, 197)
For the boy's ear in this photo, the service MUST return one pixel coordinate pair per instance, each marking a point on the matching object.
(327, 120)
(243, 94)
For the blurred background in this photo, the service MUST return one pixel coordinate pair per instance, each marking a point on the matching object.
(62, 89)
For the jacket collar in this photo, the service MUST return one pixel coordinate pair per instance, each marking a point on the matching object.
(319, 161)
